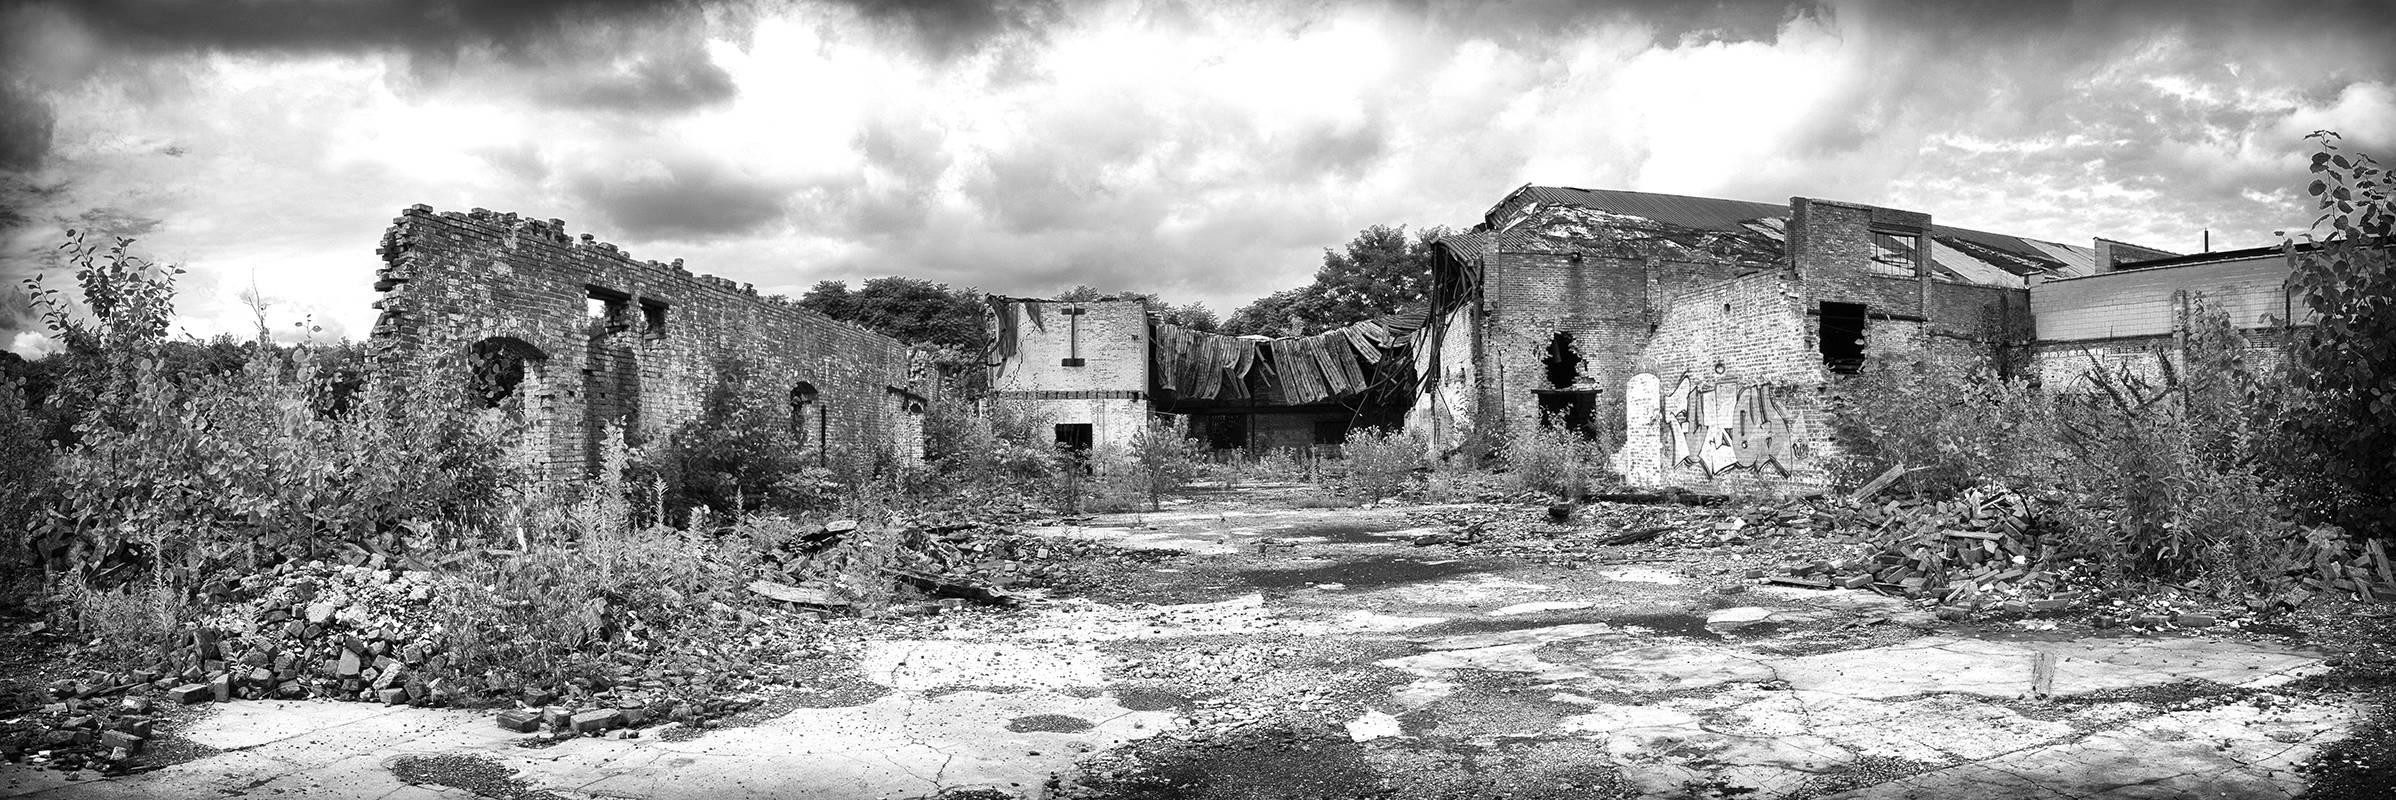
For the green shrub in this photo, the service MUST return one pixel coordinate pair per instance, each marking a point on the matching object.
(738, 455)
(1553, 460)
(1950, 419)
(1160, 461)
(1380, 464)
(585, 580)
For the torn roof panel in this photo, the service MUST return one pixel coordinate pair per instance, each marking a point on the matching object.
(1971, 254)
(1967, 268)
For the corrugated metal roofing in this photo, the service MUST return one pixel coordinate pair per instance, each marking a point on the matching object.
(1702, 213)
(1733, 216)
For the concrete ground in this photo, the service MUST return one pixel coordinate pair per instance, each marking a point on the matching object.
(1318, 653)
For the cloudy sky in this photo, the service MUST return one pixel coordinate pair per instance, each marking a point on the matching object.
(1202, 150)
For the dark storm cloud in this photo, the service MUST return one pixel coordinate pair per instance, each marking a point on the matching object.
(420, 26)
(676, 80)
(692, 197)
(945, 29)
(25, 126)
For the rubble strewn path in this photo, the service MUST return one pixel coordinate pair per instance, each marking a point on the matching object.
(1357, 653)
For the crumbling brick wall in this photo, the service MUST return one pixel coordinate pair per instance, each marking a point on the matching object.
(662, 337)
(1604, 288)
(1728, 394)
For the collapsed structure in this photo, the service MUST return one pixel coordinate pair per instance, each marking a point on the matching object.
(1698, 336)
(580, 337)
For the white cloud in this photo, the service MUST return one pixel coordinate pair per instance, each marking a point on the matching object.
(1209, 155)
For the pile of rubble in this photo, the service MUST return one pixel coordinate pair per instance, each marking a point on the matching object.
(1975, 550)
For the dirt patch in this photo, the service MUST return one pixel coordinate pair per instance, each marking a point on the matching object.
(1049, 723)
(1363, 573)
(1142, 698)
(482, 776)
(1301, 760)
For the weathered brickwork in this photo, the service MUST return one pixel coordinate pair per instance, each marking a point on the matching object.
(1830, 245)
(1727, 395)
(662, 337)
(1076, 363)
(1706, 344)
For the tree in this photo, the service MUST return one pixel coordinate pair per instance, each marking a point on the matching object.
(2345, 364)
(1380, 271)
(1194, 315)
(911, 310)
(831, 298)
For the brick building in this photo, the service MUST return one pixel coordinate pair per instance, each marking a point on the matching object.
(584, 336)
(1700, 335)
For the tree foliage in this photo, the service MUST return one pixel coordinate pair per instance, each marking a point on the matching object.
(1192, 315)
(912, 310)
(1379, 271)
(2346, 363)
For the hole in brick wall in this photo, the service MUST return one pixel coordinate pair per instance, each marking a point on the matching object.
(1563, 361)
(653, 319)
(806, 417)
(1574, 411)
(1842, 337)
(500, 365)
(606, 310)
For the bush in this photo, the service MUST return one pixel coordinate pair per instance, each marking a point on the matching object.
(1553, 460)
(737, 456)
(1158, 462)
(586, 579)
(1950, 419)
(2342, 427)
(1380, 464)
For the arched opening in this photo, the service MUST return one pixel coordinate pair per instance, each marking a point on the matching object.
(806, 415)
(500, 365)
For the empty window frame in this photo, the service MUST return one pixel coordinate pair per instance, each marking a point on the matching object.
(1076, 437)
(607, 309)
(1896, 249)
(653, 319)
(806, 417)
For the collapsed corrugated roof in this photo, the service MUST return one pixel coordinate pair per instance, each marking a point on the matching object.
(1958, 254)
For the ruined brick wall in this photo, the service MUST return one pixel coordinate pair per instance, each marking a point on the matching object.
(1830, 247)
(1450, 408)
(1728, 394)
(1077, 363)
(661, 342)
(1605, 301)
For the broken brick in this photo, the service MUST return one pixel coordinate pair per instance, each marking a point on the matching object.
(597, 720)
(190, 693)
(520, 720)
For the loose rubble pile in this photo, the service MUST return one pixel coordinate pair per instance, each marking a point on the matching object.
(1975, 550)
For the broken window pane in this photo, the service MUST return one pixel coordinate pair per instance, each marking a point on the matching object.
(1895, 249)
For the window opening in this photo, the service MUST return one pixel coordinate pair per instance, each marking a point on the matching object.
(500, 366)
(1563, 362)
(1077, 437)
(806, 419)
(653, 319)
(606, 309)
(1842, 337)
(1895, 249)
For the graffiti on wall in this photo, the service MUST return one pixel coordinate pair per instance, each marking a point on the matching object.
(1713, 427)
